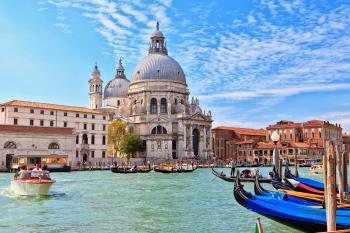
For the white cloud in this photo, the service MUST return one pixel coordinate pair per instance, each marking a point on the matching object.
(275, 92)
(139, 15)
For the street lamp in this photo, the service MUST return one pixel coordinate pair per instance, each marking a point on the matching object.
(275, 137)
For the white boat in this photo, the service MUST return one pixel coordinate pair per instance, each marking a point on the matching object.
(31, 183)
(316, 168)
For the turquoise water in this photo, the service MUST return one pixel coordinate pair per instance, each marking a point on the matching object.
(101, 201)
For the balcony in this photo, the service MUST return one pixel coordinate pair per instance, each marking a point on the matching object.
(84, 146)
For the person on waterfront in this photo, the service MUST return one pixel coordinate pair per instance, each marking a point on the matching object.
(37, 167)
(233, 168)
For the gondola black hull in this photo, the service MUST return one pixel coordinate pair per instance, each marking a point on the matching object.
(59, 169)
(173, 171)
(233, 178)
(127, 171)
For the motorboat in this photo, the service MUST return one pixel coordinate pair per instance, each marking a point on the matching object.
(31, 183)
(316, 168)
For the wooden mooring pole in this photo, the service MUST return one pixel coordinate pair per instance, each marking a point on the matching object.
(296, 173)
(339, 155)
(345, 155)
(330, 186)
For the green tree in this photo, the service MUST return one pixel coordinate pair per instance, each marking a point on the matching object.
(116, 132)
(130, 144)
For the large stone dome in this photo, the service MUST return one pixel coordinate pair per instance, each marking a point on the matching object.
(157, 66)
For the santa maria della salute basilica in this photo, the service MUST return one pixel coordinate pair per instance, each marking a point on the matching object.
(155, 104)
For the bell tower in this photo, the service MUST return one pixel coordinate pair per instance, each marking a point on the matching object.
(95, 93)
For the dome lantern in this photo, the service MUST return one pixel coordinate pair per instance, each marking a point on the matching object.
(120, 70)
(158, 44)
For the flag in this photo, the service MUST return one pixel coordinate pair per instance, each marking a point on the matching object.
(258, 227)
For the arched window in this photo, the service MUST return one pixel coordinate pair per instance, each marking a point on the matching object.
(163, 105)
(85, 139)
(159, 130)
(10, 145)
(175, 101)
(54, 146)
(153, 106)
(103, 140)
(77, 139)
(118, 102)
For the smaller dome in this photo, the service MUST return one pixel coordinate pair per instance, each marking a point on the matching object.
(157, 33)
(117, 87)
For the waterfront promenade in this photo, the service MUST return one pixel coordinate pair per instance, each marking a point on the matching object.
(101, 201)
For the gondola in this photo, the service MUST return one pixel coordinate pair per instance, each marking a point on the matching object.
(129, 170)
(298, 216)
(224, 177)
(295, 196)
(309, 182)
(249, 165)
(173, 169)
(260, 191)
(292, 184)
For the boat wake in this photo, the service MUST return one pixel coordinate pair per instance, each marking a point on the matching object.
(8, 192)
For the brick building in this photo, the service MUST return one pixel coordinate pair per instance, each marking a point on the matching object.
(228, 142)
(303, 140)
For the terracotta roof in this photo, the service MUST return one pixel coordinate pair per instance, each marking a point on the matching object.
(314, 123)
(249, 141)
(35, 129)
(346, 135)
(243, 131)
(299, 145)
(20, 103)
(310, 123)
(266, 145)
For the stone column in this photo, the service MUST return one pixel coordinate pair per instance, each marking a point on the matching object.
(147, 99)
(205, 143)
(158, 105)
(191, 139)
(210, 143)
(185, 140)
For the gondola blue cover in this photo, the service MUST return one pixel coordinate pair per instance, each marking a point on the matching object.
(288, 210)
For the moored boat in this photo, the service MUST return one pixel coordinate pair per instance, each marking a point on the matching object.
(316, 168)
(302, 217)
(168, 168)
(31, 183)
(229, 178)
(134, 169)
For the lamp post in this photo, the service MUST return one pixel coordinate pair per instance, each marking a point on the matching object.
(275, 137)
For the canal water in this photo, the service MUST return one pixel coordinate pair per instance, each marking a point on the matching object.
(101, 201)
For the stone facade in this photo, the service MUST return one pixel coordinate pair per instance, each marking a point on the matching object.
(90, 126)
(35, 141)
(156, 105)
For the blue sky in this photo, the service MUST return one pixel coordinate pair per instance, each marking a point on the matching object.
(251, 62)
